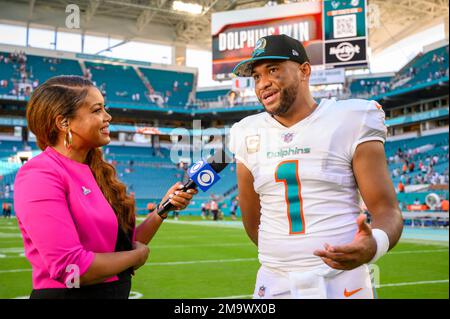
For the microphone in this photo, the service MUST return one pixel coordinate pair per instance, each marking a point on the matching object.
(203, 175)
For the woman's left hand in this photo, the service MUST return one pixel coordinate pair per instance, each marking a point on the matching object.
(178, 198)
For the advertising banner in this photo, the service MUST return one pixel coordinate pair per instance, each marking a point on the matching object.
(235, 33)
(333, 32)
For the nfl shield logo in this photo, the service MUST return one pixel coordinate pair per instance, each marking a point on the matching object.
(287, 138)
(262, 291)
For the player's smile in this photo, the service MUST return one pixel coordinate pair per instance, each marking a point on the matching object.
(270, 97)
(276, 85)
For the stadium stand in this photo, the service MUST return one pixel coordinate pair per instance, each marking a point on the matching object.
(174, 87)
(118, 83)
(42, 68)
(204, 99)
(21, 73)
(425, 67)
(366, 87)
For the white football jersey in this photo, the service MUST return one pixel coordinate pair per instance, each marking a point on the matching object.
(303, 175)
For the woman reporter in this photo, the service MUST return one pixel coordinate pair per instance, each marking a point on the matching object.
(76, 218)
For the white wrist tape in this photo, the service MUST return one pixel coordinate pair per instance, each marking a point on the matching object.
(382, 240)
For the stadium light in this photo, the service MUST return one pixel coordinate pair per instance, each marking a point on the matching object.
(191, 8)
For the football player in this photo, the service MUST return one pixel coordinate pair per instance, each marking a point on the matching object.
(299, 167)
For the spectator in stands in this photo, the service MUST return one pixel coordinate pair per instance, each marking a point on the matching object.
(411, 167)
(435, 159)
(417, 202)
(136, 97)
(6, 191)
(80, 216)
(395, 173)
(405, 167)
(401, 187)
(444, 205)
(121, 93)
(424, 169)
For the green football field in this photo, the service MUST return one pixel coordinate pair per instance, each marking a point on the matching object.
(192, 258)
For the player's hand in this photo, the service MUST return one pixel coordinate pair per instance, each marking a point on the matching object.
(179, 199)
(352, 255)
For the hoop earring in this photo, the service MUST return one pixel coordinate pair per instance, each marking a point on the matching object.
(68, 139)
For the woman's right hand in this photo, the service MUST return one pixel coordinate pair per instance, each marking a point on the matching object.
(142, 251)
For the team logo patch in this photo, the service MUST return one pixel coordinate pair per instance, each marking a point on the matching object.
(262, 291)
(252, 143)
(287, 138)
(260, 47)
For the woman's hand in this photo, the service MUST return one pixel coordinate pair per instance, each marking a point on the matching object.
(142, 252)
(179, 199)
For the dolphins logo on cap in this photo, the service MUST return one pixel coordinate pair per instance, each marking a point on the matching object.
(260, 47)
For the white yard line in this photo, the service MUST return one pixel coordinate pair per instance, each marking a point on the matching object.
(417, 251)
(14, 271)
(207, 261)
(429, 282)
(10, 235)
(398, 284)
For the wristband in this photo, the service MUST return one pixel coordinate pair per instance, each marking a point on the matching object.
(382, 240)
(163, 215)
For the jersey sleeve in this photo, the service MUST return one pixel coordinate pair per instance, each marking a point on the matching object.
(372, 126)
(237, 144)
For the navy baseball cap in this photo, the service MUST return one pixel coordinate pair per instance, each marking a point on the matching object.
(273, 47)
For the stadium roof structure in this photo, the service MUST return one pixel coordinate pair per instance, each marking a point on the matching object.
(156, 21)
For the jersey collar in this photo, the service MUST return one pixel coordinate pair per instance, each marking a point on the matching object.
(302, 122)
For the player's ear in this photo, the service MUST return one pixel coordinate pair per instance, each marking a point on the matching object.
(305, 69)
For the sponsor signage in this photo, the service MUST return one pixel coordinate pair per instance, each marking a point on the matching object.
(345, 33)
(319, 25)
(349, 52)
(235, 33)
